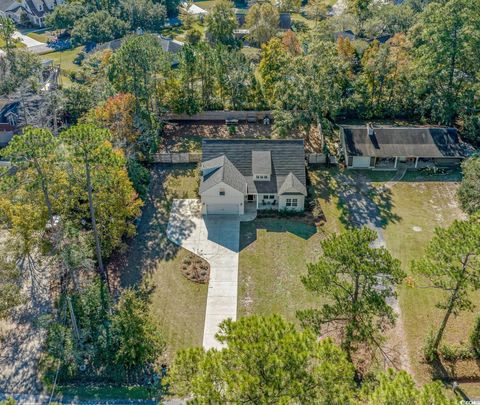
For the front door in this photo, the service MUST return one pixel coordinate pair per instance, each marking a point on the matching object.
(251, 197)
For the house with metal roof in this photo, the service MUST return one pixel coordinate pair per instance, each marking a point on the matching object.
(388, 148)
(257, 174)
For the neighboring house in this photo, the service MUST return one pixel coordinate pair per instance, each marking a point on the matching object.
(6, 134)
(387, 148)
(169, 45)
(262, 174)
(9, 112)
(34, 11)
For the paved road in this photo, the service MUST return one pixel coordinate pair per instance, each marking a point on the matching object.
(216, 239)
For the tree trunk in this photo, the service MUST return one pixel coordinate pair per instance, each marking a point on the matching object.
(98, 248)
(451, 304)
(46, 194)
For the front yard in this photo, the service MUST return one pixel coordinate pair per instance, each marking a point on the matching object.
(274, 253)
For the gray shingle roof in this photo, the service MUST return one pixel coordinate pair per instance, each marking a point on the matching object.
(292, 185)
(223, 171)
(287, 156)
(405, 141)
(261, 162)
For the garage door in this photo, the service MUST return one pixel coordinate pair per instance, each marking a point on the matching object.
(361, 161)
(222, 209)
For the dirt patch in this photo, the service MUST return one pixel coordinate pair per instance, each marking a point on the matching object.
(195, 269)
(187, 136)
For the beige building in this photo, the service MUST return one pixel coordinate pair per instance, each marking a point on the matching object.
(260, 174)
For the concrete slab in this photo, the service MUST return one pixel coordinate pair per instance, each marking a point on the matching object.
(216, 239)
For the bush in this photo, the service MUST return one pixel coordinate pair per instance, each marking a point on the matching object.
(475, 338)
(428, 351)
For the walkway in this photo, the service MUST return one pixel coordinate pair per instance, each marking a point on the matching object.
(216, 239)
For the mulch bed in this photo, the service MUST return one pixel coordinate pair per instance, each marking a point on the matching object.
(195, 269)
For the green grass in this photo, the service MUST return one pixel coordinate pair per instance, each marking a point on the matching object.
(101, 393)
(422, 206)
(177, 304)
(273, 256)
(65, 60)
(39, 35)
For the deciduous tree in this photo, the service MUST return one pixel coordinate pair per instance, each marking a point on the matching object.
(469, 190)
(221, 22)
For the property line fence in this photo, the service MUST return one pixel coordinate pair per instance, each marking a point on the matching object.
(186, 157)
(165, 157)
(250, 116)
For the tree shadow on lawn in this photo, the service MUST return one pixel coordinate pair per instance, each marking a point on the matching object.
(248, 230)
(360, 202)
(151, 244)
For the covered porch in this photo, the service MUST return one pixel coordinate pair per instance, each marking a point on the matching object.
(262, 201)
(394, 163)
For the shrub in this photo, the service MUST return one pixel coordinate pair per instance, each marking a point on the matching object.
(475, 338)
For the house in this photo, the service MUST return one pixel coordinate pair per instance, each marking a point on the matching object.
(6, 134)
(33, 11)
(387, 148)
(253, 174)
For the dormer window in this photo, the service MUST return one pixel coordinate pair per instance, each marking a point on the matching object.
(262, 177)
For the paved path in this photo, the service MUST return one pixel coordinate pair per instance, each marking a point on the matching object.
(29, 42)
(216, 239)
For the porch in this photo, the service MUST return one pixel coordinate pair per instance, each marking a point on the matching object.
(394, 163)
(262, 201)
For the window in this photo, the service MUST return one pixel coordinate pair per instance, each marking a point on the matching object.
(271, 196)
(292, 202)
(222, 191)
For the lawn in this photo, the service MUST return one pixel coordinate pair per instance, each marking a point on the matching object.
(275, 251)
(177, 304)
(274, 254)
(65, 60)
(422, 206)
(417, 205)
(42, 35)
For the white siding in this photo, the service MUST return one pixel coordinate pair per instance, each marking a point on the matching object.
(212, 197)
(300, 202)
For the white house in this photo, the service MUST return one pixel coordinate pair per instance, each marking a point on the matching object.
(262, 174)
(34, 11)
(388, 148)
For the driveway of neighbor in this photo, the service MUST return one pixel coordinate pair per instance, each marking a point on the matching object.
(363, 211)
(216, 239)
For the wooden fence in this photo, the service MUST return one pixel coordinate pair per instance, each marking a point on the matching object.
(250, 116)
(165, 157)
(320, 159)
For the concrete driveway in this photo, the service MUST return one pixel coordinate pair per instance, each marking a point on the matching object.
(216, 239)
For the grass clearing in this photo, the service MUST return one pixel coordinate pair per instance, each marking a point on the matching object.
(422, 206)
(273, 256)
